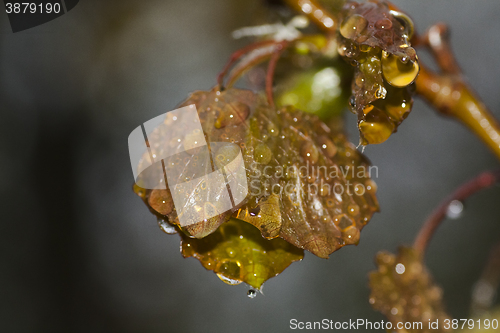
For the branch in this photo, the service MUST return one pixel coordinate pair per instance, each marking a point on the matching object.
(450, 95)
(316, 14)
(237, 55)
(475, 185)
(271, 69)
(485, 289)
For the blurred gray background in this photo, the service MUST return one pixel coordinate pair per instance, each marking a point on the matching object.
(80, 252)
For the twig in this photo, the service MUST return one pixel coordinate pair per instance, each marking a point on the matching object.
(316, 14)
(452, 97)
(271, 69)
(485, 289)
(477, 184)
(437, 38)
(254, 58)
(237, 55)
(448, 92)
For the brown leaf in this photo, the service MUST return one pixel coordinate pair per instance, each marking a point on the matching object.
(307, 183)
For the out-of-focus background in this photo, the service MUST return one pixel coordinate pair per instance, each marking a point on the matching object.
(79, 250)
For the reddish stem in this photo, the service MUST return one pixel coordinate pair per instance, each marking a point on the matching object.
(477, 184)
(247, 63)
(237, 55)
(271, 68)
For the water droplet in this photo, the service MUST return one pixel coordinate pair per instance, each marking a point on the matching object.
(367, 108)
(254, 211)
(398, 103)
(405, 21)
(309, 152)
(376, 128)
(400, 268)
(371, 186)
(353, 26)
(352, 102)
(262, 154)
(384, 24)
(381, 92)
(229, 268)
(353, 209)
(328, 147)
(252, 293)
(351, 235)
(272, 129)
(455, 210)
(230, 252)
(398, 73)
(364, 48)
(227, 280)
(232, 114)
(166, 227)
(226, 154)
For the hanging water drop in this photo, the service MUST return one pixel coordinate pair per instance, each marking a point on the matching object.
(376, 127)
(252, 293)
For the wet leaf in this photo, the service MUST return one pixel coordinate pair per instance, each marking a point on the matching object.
(403, 290)
(307, 183)
(238, 253)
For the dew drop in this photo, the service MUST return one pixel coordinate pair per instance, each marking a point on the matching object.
(353, 209)
(309, 152)
(455, 210)
(398, 73)
(400, 268)
(272, 129)
(376, 128)
(351, 235)
(230, 252)
(252, 293)
(262, 154)
(381, 92)
(230, 269)
(364, 48)
(353, 26)
(229, 281)
(384, 24)
(329, 148)
(352, 102)
(405, 21)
